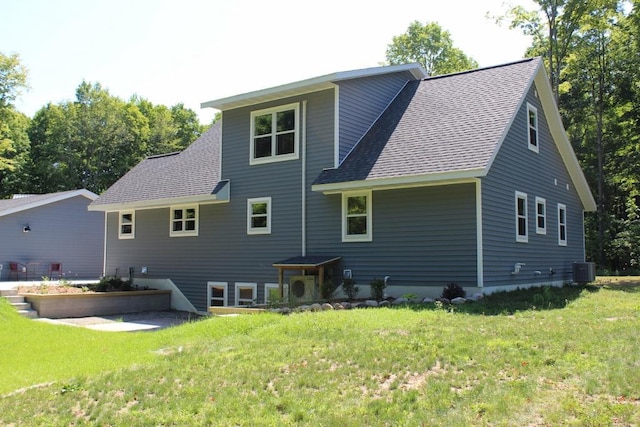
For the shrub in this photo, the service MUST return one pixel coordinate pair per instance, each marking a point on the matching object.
(453, 290)
(112, 283)
(327, 289)
(377, 289)
(350, 288)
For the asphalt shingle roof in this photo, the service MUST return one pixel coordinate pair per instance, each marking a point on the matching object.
(192, 172)
(441, 124)
(27, 201)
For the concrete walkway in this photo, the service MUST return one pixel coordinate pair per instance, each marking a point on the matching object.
(127, 322)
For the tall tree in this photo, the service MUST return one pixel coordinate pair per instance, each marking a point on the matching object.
(89, 143)
(554, 28)
(14, 144)
(430, 46)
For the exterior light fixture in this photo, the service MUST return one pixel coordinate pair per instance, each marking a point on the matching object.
(26, 229)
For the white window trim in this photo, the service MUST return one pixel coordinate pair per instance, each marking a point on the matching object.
(562, 242)
(225, 298)
(268, 286)
(533, 147)
(184, 233)
(521, 238)
(543, 202)
(258, 230)
(254, 292)
(274, 157)
(368, 237)
(131, 235)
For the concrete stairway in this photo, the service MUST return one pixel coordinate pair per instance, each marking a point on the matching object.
(23, 307)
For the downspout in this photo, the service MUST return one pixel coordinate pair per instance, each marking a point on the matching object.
(303, 155)
(479, 243)
(104, 245)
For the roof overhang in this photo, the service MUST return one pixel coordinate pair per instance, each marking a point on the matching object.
(38, 201)
(309, 85)
(562, 141)
(219, 195)
(435, 179)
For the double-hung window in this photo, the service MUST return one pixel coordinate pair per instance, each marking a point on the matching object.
(259, 216)
(246, 293)
(126, 225)
(356, 217)
(532, 118)
(562, 225)
(522, 222)
(541, 215)
(184, 221)
(274, 134)
(217, 294)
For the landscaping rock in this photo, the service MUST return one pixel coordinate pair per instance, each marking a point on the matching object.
(476, 297)
(327, 306)
(400, 300)
(443, 300)
(458, 300)
(338, 306)
(384, 303)
(427, 300)
(347, 305)
(371, 303)
(315, 307)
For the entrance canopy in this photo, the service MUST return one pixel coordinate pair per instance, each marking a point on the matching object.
(305, 263)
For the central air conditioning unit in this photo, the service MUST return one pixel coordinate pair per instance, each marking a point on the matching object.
(302, 288)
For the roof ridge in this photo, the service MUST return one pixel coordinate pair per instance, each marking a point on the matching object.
(157, 156)
(490, 67)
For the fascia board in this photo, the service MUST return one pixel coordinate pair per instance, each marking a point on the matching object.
(435, 179)
(46, 201)
(314, 84)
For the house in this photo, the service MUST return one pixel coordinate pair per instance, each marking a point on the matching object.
(375, 173)
(39, 230)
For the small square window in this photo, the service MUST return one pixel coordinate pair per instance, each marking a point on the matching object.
(259, 216)
(246, 293)
(184, 221)
(217, 294)
(126, 225)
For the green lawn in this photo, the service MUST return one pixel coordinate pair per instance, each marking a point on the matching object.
(548, 356)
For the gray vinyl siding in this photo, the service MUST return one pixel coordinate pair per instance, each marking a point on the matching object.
(361, 103)
(421, 236)
(223, 251)
(62, 231)
(543, 174)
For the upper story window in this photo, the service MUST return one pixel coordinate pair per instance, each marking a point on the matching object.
(562, 225)
(356, 217)
(259, 216)
(274, 134)
(541, 215)
(126, 225)
(184, 221)
(532, 120)
(522, 222)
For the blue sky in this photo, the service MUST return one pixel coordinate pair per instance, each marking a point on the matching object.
(193, 51)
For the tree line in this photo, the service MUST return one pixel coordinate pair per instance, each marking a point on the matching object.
(590, 48)
(89, 142)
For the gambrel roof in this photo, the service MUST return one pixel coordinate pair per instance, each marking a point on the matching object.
(189, 176)
(23, 202)
(448, 128)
